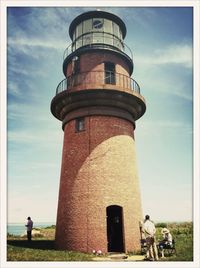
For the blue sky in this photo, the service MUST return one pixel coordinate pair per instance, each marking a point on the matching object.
(161, 41)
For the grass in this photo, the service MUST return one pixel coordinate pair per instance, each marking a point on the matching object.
(183, 235)
(42, 251)
(42, 246)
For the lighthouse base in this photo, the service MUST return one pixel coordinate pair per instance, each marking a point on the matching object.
(99, 200)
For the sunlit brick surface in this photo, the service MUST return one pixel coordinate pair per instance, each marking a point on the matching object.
(98, 170)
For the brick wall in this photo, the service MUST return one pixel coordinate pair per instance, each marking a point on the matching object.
(98, 170)
(91, 74)
(94, 61)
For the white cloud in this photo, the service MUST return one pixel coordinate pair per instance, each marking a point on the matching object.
(173, 54)
(166, 124)
(158, 128)
(14, 88)
(40, 137)
(167, 70)
(22, 204)
(25, 110)
(25, 42)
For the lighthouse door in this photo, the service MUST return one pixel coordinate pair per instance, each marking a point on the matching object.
(115, 229)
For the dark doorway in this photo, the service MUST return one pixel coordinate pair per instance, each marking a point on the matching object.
(115, 229)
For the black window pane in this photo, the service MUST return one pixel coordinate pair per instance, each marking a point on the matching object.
(110, 73)
(80, 124)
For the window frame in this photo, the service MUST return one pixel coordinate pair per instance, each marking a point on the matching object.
(110, 73)
(78, 126)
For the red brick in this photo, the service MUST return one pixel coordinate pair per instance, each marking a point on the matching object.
(98, 170)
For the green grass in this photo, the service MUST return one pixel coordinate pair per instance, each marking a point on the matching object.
(42, 247)
(183, 235)
(41, 251)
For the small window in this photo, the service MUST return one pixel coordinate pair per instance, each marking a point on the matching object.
(97, 24)
(75, 65)
(109, 73)
(80, 124)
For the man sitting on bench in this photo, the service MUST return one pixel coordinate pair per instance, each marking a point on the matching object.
(167, 241)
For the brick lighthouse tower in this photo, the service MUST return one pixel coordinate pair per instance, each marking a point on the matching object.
(98, 103)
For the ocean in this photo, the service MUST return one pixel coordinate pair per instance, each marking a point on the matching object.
(19, 228)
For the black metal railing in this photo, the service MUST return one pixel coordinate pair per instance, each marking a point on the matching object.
(103, 40)
(99, 78)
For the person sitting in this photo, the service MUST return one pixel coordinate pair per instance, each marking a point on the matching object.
(166, 242)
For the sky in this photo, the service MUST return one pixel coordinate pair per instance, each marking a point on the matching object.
(161, 39)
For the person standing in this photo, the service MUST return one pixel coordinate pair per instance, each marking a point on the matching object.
(29, 227)
(150, 231)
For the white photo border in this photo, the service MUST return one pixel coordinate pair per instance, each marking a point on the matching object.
(196, 127)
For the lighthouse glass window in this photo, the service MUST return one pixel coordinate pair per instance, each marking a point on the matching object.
(108, 32)
(87, 26)
(87, 35)
(79, 30)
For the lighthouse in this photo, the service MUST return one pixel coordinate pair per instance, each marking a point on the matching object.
(98, 103)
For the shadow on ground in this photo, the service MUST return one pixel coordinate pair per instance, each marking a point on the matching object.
(36, 244)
